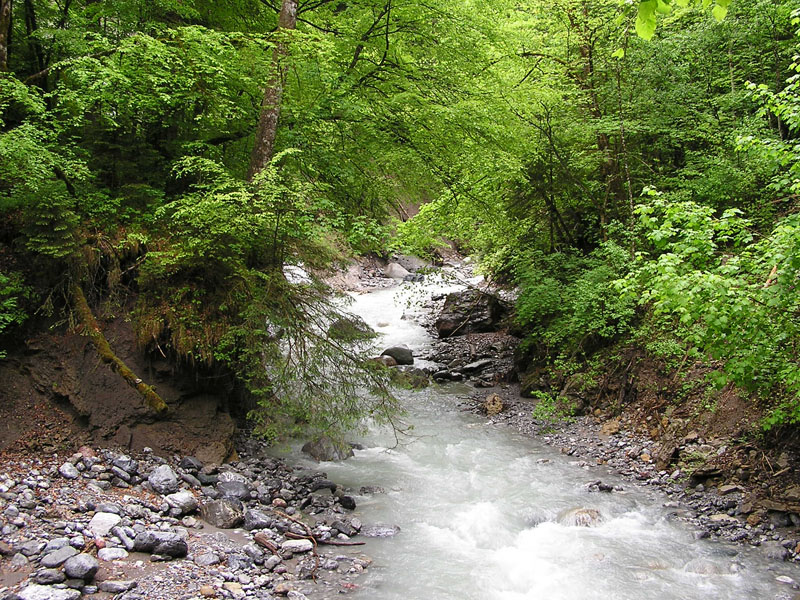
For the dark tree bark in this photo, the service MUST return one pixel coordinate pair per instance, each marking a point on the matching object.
(5, 33)
(264, 146)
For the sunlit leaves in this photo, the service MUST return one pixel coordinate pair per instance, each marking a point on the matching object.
(648, 10)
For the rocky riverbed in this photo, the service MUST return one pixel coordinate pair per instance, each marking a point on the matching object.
(103, 523)
(111, 523)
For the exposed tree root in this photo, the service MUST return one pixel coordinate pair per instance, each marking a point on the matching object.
(87, 319)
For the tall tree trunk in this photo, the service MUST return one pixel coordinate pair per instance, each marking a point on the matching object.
(5, 33)
(264, 146)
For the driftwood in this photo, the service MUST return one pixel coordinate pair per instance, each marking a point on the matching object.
(310, 536)
(340, 543)
(92, 328)
(262, 540)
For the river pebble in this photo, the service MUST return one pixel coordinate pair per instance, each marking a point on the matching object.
(119, 503)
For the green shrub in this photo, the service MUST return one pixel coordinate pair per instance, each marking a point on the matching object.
(567, 302)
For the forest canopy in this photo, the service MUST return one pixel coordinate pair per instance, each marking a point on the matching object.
(631, 167)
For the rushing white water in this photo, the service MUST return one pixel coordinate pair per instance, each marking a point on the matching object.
(477, 505)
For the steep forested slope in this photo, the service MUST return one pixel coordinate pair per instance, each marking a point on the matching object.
(163, 161)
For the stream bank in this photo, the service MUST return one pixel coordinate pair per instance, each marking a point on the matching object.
(726, 484)
(475, 494)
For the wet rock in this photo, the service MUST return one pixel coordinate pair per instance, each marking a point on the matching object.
(580, 517)
(347, 502)
(401, 354)
(702, 566)
(102, 523)
(321, 484)
(81, 566)
(225, 514)
(163, 480)
(326, 449)
(386, 361)
(775, 551)
(380, 531)
(163, 543)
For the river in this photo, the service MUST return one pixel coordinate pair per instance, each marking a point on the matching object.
(478, 506)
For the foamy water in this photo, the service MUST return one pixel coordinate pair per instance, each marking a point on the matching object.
(478, 509)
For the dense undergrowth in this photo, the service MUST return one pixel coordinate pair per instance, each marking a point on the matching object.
(635, 187)
(670, 227)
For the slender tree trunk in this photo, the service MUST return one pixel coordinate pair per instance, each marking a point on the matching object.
(151, 399)
(5, 33)
(264, 146)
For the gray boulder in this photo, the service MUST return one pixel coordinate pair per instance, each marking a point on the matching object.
(234, 489)
(470, 311)
(126, 464)
(45, 592)
(69, 471)
(57, 557)
(394, 271)
(326, 449)
(411, 263)
(165, 543)
(102, 523)
(111, 586)
(401, 354)
(163, 480)
(109, 554)
(226, 513)
(81, 566)
(297, 546)
(50, 576)
(190, 463)
(256, 519)
(184, 501)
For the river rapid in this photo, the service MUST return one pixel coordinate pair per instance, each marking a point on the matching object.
(481, 508)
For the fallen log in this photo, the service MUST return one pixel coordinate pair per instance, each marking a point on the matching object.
(92, 328)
